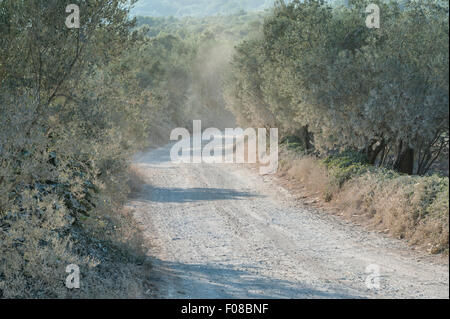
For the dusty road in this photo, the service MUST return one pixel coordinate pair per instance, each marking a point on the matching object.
(224, 231)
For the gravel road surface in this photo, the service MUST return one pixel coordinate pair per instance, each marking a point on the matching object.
(224, 231)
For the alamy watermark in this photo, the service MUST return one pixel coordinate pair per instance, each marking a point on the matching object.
(73, 20)
(226, 147)
(73, 279)
(373, 19)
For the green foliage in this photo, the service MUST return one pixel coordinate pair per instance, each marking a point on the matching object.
(70, 111)
(319, 67)
(347, 165)
(231, 27)
(414, 208)
(346, 159)
(203, 49)
(292, 143)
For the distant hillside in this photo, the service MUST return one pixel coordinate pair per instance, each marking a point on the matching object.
(197, 8)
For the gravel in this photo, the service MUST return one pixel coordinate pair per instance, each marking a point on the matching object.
(224, 231)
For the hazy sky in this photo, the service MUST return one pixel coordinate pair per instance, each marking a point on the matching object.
(197, 7)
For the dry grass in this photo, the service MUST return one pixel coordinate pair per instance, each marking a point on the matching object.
(51, 221)
(36, 247)
(136, 180)
(404, 206)
(314, 176)
(412, 208)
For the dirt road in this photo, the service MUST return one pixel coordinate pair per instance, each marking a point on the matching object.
(224, 231)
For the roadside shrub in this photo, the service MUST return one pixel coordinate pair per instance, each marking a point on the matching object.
(59, 210)
(67, 130)
(343, 167)
(413, 208)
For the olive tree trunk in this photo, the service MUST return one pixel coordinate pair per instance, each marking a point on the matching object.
(405, 160)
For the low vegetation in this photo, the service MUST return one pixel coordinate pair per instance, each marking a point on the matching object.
(414, 208)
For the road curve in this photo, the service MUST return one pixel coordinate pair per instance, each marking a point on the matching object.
(224, 231)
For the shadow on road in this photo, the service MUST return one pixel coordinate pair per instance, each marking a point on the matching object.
(189, 195)
(216, 281)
